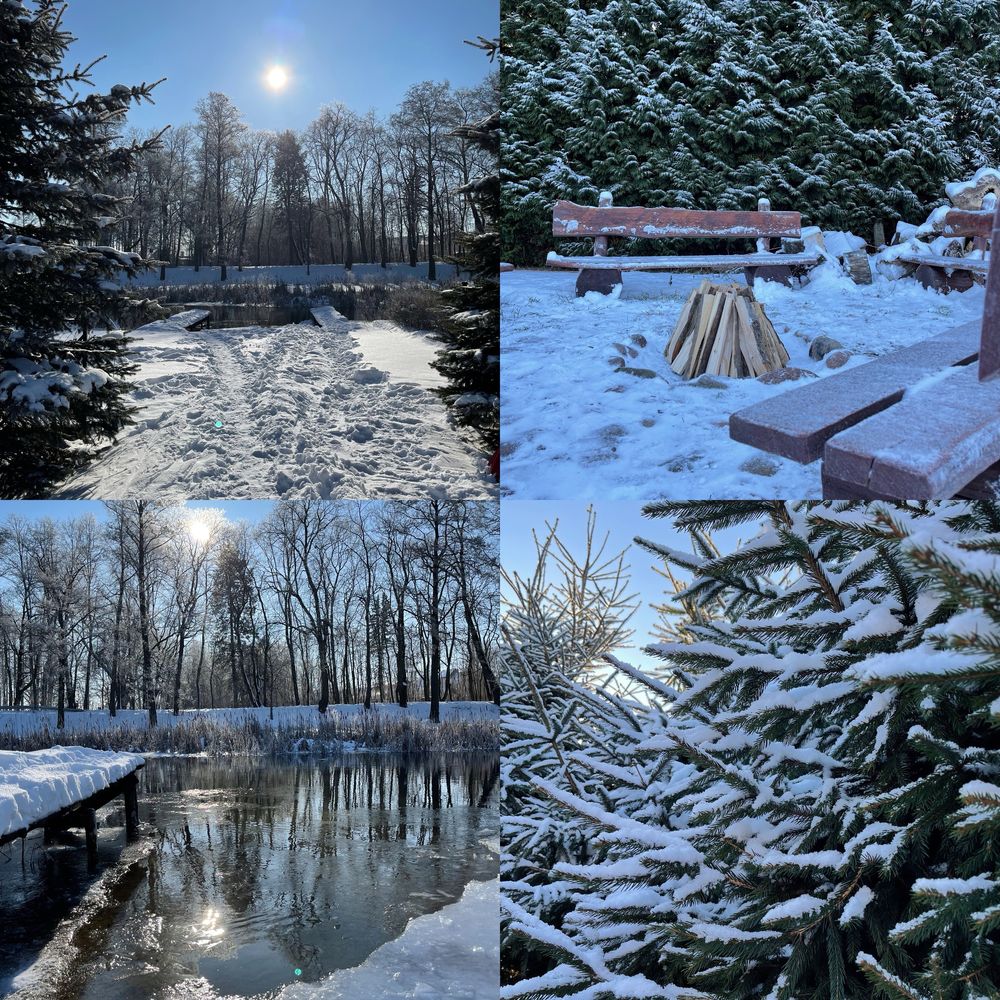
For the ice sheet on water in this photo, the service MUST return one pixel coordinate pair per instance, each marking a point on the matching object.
(452, 953)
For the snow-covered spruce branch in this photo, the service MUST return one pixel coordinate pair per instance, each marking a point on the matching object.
(815, 812)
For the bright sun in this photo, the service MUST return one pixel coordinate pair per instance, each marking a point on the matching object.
(199, 530)
(277, 78)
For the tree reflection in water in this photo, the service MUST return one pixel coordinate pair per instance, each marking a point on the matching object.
(260, 867)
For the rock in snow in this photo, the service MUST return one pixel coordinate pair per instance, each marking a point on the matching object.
(34, 785)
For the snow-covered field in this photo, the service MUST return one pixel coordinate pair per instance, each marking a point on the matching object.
(35, 785)
(573, 426)
(297, 275)
(454, 952)
(20, 723)
(296, 410)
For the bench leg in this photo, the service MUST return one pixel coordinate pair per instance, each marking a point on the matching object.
(781, 273)
(90, 828)
(593, 279)
(131, 808)
(939, 280)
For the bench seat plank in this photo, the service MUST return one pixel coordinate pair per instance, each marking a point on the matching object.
(797, 423)
(938, 260)
(929, 445)
(569, 219)
(703, 264)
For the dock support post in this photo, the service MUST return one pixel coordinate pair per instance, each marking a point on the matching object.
(131, 807)
(90, 827)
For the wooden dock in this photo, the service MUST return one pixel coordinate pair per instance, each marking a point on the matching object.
(83, 814)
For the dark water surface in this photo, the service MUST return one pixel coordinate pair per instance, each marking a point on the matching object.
(253, 869)
(227, 315)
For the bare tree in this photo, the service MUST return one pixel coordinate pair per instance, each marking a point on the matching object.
(314, 604)
(221, 129)
(144, 539)
(428, 112)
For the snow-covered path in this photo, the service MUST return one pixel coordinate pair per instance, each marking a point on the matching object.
(268, 412)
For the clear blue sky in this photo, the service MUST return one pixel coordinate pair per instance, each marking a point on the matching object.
(363, 54)
(66, 510)
(623, 521)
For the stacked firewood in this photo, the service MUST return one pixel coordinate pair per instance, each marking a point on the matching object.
(723, 330)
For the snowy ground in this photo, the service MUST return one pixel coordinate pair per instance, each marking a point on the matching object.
(35, 785)
(286, 717)
(296, 275)
(405, 355)
(572, 426)
(298, 410)
(452, 953)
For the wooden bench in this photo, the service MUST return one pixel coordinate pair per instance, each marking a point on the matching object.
(922, 423)
(602, 272)
(954, 273)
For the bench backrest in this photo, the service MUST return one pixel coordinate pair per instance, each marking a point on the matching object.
(569, 219)
(959, 222)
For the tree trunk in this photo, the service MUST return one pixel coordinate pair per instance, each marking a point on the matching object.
(324, 674)
(368, 647)
(61, 703)
(431, 269)
(290, 643)
(401, 655)
(147, 657)
(177, 672)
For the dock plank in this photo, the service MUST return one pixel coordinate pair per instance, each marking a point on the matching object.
(328, 318)
(53, 788)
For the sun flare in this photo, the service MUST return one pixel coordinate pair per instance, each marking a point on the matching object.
(277, 78)
(199, 530)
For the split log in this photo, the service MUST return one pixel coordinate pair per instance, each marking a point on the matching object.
(723, 330)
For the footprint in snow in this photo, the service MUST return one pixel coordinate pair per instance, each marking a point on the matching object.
(361, 434)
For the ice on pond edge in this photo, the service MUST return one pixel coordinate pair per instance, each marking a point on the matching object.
(454, 952)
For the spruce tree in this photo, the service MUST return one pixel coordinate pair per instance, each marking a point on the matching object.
(814, 814)
(63, 386)
(849, 112)
(471, 326)
(535, 112)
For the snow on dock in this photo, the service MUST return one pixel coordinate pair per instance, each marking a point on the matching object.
(189, 319)
(38, 786)
(328, 318)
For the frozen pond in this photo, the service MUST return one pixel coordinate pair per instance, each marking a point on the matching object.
(255, 869)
